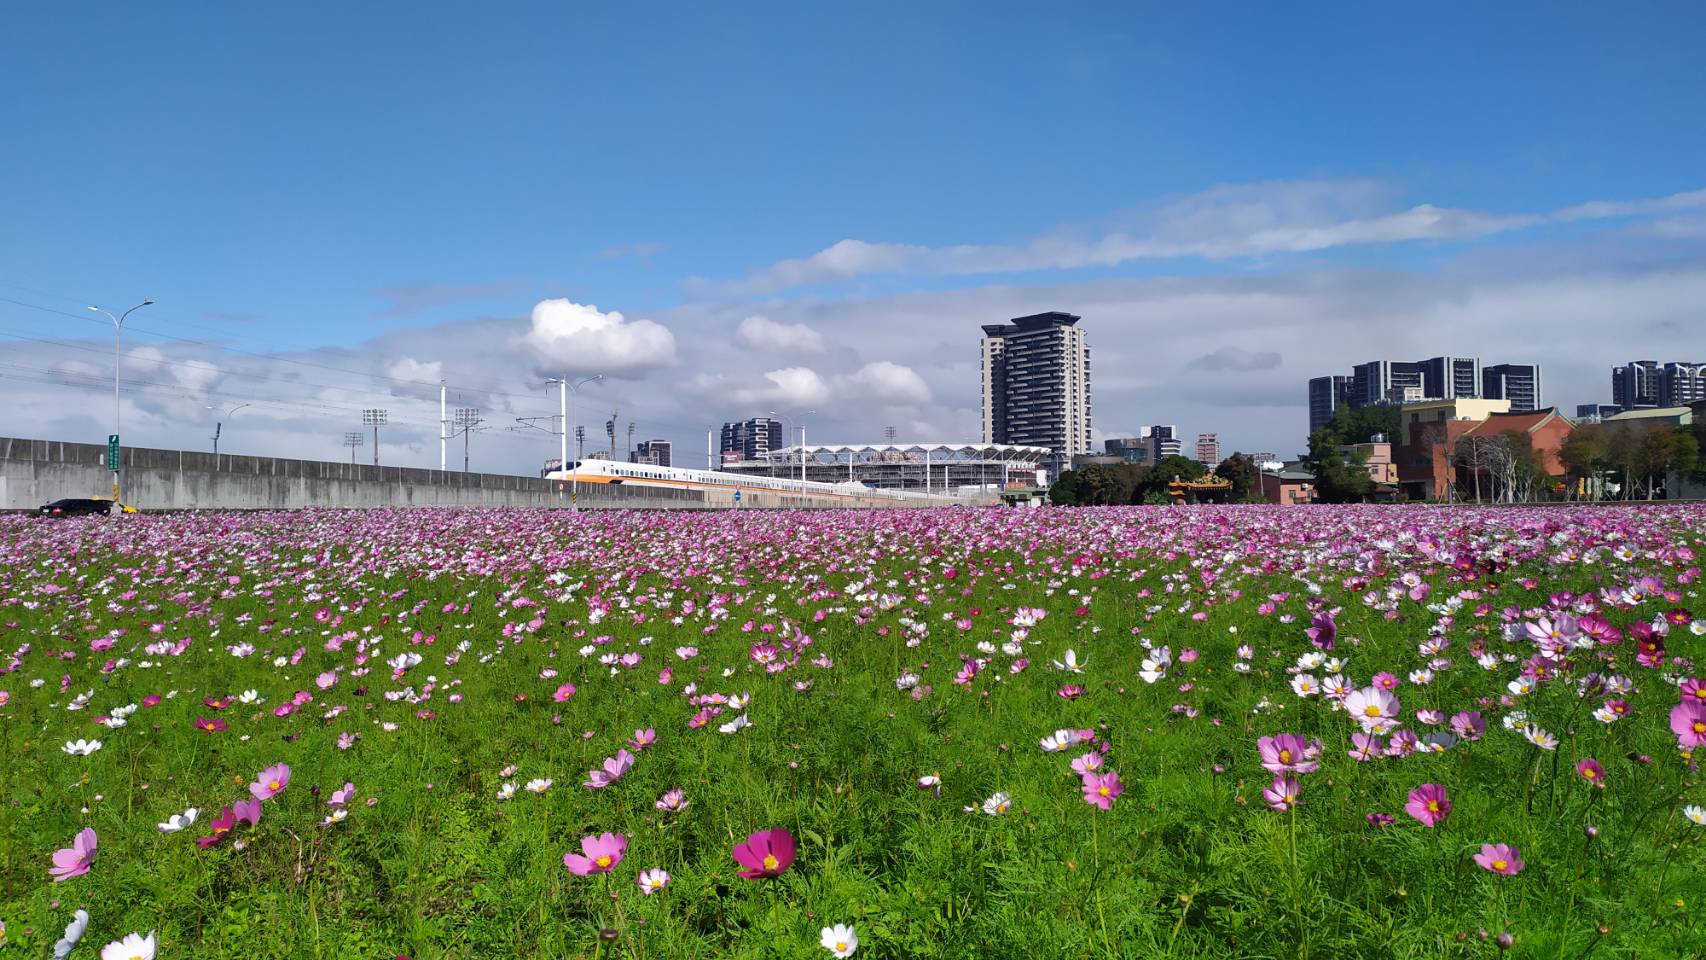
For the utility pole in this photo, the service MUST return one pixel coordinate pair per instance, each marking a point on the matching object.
(610, 431)
(888, 433)
(113, 449)
(565, 388)
(630, 441)
(375, 418)
(580, 442)
(467, 418)
(443, 427)
(353, 439)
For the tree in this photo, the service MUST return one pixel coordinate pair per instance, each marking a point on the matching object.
(1337, 480)
(1064, 491)
(1354, 425)
(1095, 485)
(1583, 454)
(1242, 472)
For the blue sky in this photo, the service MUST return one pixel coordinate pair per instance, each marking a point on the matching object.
(374, 178)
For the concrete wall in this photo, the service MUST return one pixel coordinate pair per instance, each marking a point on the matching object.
(33, 472)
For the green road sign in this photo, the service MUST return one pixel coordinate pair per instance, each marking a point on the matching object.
(112, 452)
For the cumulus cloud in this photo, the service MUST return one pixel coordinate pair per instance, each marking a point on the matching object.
(886, 383)
(579, 338)
(1233, 358)
(1228, 222)
(763, 333)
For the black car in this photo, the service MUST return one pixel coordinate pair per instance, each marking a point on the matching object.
(81, 507)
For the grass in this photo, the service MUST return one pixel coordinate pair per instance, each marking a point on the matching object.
(1189, 862)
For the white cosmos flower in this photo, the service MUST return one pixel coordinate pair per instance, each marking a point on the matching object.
(134, 946)
(1304, 685)
(539, 785)
(73, 934)
(81, 748)
(250, 696)
(651, 881)
(179, 821)
(998, 804)
(507, 790)
(1695, 813)
(906, 681)
(1060, 740)
(1070, 662)
(1154, 666)
(1540, 738)
(840, 940)
(737, 724)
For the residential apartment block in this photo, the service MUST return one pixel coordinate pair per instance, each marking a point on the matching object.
(1036, 385)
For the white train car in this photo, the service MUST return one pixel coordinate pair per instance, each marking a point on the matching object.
(597, 472)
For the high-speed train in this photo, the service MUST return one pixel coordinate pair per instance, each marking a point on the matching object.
(677, 478)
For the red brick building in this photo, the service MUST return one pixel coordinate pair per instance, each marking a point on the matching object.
(1426, 468)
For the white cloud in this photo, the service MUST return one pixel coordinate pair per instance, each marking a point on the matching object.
(886, 383)
(763, 333)
(1228, 222)
(408, 368)
(579, 338)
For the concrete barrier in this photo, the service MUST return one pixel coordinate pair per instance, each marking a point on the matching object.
(34, 472)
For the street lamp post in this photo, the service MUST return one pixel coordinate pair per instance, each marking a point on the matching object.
(118, 324)
(564, 387)
(219, 426)
(799, 424)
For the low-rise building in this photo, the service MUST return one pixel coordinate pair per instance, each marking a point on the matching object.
(1289, 485)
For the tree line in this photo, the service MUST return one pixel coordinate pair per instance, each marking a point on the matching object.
(1135, 483)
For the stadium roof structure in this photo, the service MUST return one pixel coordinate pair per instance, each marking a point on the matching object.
(938, 452)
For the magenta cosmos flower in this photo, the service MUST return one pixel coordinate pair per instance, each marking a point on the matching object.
(74, 861)
(270, 782)
(223, 823)
(599, 854)
(564, 692)
(614, 768)
(1428, 804)
(767, 853)
(1688, 722)
(1289, 753)
(1100, 789)
(1500, 858)
(1283, 793)
(1590, 770)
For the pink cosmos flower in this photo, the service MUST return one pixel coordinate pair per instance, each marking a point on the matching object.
(1289, 753)
(249, 810)
(222, 825)
(1100, 789)
(564, 692)
(271, 781)
(673, 801)
(767, 853)
(1283, 793)
(599, 854)
(1500, 859)
(1088, 763)
(74, 861)
(1469, 725)
(1590, 770)
(614, 768)
(1688, 722)
(1428, 804)
(643, 738)
(1386, 681)
(211, 726)
(1365, 747)
(341, 796)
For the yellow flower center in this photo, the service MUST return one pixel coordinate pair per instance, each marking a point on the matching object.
(1500, 865)
(1103, 791)
(1433, 806)
(1372, 710)
(274, 785)
(1590, 773)
(840, 946)
(1700, 726)
(1285, 756)
(770, 861)
(603, 861)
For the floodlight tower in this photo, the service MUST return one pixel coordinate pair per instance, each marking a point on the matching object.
(353, 439)
(467, 418)
(375, 418)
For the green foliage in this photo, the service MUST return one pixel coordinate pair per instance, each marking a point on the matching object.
(1244, 475)
(1338, 479)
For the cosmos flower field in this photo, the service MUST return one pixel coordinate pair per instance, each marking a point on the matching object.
(1126, 732)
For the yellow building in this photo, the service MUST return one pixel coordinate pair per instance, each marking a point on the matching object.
(1414, 416)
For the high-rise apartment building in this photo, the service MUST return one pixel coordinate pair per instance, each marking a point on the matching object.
(1036, 385)
(1635, 384)
(654, 452)
(1681, 384)
(752, 438)
(1416, 381)
(1517, 382)
(1164, 442)
(1447, 378)
(1326, 396)
(1129, 449)
(1208, 450)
